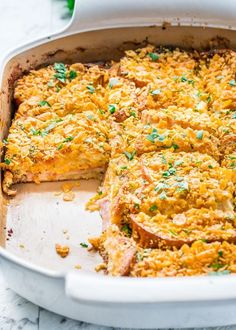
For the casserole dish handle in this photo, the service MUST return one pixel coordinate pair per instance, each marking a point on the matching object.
(88, 287)
(100, 14)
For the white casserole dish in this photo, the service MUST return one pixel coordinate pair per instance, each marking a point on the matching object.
(101, 30)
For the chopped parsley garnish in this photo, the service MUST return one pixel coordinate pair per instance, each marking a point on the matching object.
(136, 206)
(169, 172)
(72, 75)
(184, 79)
(100, 193)
(90, 117)
(210, 166)
(7, 161)
(199, 135)
(127, 230)
(232, 83)
(35, 131)
(133, 113)
(182, 186)
(5, 141)
(156, 92)
(178, 162)
(123, 167)
(161, 186)
(234, 116)
(91, 89)
(154, 135)
(216, 265)
(130, 156)
(61, 72)
(69, 138)
(153, 208)
(84, 245)
(175, 146)
(163, 196)
(154, 56)
(113, 82)
(43, 103)
(172, 232)
(112, 108)
(220, 254)
(50, 84)
(209, 99)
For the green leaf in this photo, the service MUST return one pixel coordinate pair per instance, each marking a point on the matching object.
(232, 83)
(199, 135)
(234, 116)
(127, 230)
(35, 131)
(154, 56)
(91, 89)
(130, 156)
(182, 186)
(175, 146)
(163, 196)
(43, 103)
(72, 75)
(68, 139)
(61, 72)
(153, 208)
(84, 245)
(172, 232)
(113, 82)
(7, 161)
(111, 108)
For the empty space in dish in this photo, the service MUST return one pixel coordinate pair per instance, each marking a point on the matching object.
(38, 218)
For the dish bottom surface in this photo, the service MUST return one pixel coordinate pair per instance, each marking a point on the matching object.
(38, 218)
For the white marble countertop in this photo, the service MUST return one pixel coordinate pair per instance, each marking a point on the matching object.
(20, 21)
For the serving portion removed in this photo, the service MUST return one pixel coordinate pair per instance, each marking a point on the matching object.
(159, 129)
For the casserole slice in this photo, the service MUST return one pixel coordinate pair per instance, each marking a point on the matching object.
(50, 148)
(137, 137)
(169, 199)
(123, 257)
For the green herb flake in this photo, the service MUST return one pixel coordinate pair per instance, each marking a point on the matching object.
(163, 196)
(232, 83)
(156, 92)
(172, 232)
(68, 139)
(136, 206)
(220, 254)
(7, 161)
(113, 82)
(154, 56)
(72, 75)
(130, 156)
(60, 146)
(112, 108)
(43, 103)
(216, 266)
(100, 193)
(153, 208)
(234, 115)
(210, 166)
(127, 230)
(182, 186)
(175, 146)
(60, 72)
(199, 135)
(133, 114)
(35, 131)
(91, 89)
(123, 167)
(5, 141)
(161, 186)
(84, 245)
(50, 84)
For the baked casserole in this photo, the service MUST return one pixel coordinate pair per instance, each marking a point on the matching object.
(159, 127)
